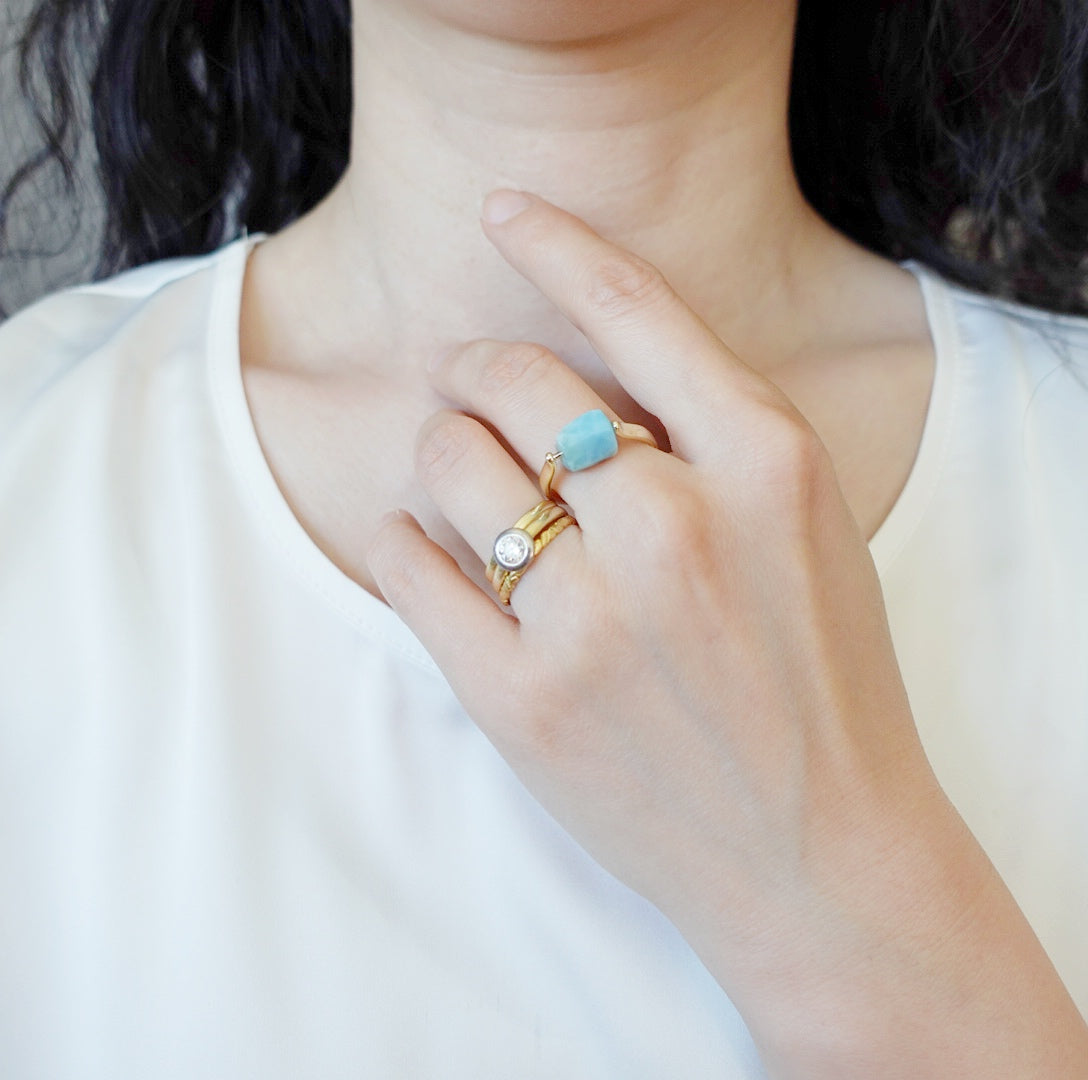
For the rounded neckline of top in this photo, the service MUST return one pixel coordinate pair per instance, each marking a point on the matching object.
(906, 514)
(257, 482)
(371, 615)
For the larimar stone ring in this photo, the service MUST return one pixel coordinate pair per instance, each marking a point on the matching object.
(515, 548)
(586, 441)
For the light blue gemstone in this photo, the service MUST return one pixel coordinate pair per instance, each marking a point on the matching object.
(586, 441)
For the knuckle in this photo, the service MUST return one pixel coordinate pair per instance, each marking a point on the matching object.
(544, 736)
(442, 446)
(793, 467)
(551, 731)
(397, 572)
(678, 526)
(398, 580)
(621, 283)
(518, 364)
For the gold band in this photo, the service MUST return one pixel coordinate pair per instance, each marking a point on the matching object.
(510, 579)
(634, 432)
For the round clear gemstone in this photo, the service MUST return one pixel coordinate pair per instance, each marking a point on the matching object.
(513, 549)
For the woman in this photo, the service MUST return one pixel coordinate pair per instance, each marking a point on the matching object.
(685, 824)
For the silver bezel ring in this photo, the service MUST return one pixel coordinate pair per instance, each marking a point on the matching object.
(513, 549)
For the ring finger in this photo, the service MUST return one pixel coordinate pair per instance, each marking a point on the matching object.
(476, 485)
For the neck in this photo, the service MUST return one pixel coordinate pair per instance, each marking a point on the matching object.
(668, 136)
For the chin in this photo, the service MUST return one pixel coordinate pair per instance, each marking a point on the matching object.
(553, 21)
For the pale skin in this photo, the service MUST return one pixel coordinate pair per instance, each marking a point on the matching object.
(736, 744)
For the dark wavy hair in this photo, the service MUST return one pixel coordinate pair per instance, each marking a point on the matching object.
(949, 131)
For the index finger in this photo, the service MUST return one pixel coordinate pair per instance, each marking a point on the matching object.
(661, 352)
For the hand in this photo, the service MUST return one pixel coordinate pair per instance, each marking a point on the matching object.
(699, 681)
(704, 667)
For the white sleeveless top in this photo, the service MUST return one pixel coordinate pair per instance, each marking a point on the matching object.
(247, 832)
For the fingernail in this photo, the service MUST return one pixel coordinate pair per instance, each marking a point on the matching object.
(500, 206)
(392, 515)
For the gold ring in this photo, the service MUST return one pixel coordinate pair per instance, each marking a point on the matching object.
(512, 577)
(587, 441)
(515, 548)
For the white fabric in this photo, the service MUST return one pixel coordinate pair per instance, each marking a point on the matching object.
(246, 831)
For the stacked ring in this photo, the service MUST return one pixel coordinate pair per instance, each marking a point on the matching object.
(586, 441)
(515, 548)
